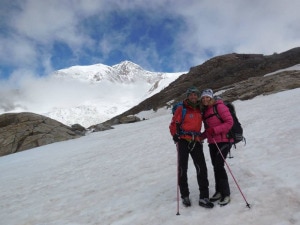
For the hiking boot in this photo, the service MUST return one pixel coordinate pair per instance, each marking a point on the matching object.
(224, 201)
(204, 202)
(216, 197)
(186, 201)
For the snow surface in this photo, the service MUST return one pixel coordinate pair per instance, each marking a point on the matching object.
(128, 175)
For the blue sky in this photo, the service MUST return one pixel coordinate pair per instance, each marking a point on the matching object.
(39, 37)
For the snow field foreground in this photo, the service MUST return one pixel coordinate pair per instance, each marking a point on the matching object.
(128, 175)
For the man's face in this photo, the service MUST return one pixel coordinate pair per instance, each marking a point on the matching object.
(193, 97)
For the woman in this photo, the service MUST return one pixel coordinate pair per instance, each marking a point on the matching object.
(216, 134)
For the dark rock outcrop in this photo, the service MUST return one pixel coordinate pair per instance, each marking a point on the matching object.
(100, 127)
(108, 125)
(22, 131)
(130, 119)
(78, 129)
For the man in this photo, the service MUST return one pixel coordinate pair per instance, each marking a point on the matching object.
(186, 134)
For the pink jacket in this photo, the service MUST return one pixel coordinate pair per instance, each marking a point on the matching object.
(220, 129)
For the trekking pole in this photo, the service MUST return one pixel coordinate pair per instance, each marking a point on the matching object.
(247, 204)
(177, 148)
(177, 180)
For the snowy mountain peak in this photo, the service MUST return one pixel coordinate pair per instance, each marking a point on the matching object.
(124, 72)
(92, 73)
(126, 67)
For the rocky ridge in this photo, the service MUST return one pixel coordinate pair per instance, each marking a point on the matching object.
(22, 131)
(240, 75)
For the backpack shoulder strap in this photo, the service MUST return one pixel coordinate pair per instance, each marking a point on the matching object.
(183, 109)
(215, 108)
(183, 112)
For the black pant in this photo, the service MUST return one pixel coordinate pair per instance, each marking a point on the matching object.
(221, 178)
(195, 149)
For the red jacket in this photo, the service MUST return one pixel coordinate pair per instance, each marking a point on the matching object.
(191, 124)
(220, 129)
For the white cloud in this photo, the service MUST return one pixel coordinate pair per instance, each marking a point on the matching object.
(209, 28)
(49, 21)
(242, 26)
(112, 41)
(18, 51)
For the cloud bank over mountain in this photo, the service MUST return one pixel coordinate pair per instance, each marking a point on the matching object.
(86, 95)
(162, 35)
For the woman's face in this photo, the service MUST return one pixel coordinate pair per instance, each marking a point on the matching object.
(205, 100)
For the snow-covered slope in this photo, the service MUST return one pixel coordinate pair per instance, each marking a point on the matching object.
(86, 95)
(127, 175)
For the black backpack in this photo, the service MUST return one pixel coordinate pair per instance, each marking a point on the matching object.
(236, 132)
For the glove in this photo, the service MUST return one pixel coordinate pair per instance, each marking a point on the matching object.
(210, 131)
(176, 138)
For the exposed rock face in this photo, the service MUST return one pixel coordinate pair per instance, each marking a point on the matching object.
(78, 129)
(255, 86)
(100, 127)
(108, 125)
(22, 131)
(129, 119)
